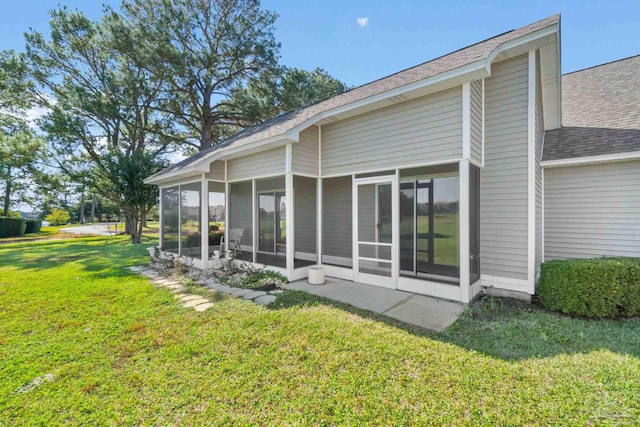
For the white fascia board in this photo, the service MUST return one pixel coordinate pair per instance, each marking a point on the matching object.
(605, 158)
(172, 175)
(512, 44)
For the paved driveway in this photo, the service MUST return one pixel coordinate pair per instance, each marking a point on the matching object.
(94, 229)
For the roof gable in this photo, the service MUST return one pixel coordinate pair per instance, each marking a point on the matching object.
(482, 53)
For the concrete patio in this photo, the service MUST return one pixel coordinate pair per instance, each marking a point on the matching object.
(418, 310)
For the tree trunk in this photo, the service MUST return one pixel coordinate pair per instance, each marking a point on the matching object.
(93, 208)
(81, 217)
(7, 199)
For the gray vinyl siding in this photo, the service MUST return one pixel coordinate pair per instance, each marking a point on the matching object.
(277, 183)
(504, 182)
(217, 171)
(305, 152)
(336, 217)
(269, 162)
(538, 152)
(476, 121)
(426, 129)
(240, 206)
(592, 210)
(305, 214)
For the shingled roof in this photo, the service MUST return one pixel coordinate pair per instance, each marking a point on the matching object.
(286, 122)
(600, 112)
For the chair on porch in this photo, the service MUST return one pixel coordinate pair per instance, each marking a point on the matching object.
(235, 237)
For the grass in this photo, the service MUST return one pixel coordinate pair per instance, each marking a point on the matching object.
(52, 231)
(123, 352)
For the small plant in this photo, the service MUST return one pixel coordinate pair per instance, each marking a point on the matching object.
(247, 276)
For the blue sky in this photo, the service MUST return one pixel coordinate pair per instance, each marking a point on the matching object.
(400, 33)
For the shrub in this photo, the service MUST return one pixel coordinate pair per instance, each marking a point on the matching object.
(12, 227)
(58, 217)
(33, 226)
(600, 287)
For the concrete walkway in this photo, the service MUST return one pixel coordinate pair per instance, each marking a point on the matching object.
(425, 312)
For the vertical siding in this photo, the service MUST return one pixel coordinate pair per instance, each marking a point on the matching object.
(539, 148)
(592, 210)
(336, 217)
(423, 130)
(240, 215)
(503, 212)
(305, 214)
(216, 171)
(305, 152)
(263, 163)
(476, 121)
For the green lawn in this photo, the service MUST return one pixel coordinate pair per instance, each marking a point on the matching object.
(123, 352)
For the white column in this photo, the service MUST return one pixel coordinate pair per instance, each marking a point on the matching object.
(531, 191)
(160, 230)
(289, 215)
(465, 291)
(354, 232)
(395, 231)
(227, 198)
(204, 221)
(254, 222)
(319, 220)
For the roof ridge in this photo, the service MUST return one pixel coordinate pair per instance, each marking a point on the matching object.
(601, 65)
(430, 60)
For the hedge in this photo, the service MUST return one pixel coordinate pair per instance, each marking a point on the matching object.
(11, 227)
(599, 287)
(33, 226)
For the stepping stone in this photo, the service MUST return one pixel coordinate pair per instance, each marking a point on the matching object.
(176, 286)
(180, 295)
(265, 300)
(190, 297)
(276, 291)
(195, 302)
(253, 294)
(240, 292)
(221, 288)
(165, 282)
(203, 307)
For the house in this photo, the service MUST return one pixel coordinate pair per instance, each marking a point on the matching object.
(458, 175)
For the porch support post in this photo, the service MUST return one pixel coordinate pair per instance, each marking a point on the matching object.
(227, 198)
(465, 290)
(319, 221)
(289, 214)
(204, 222)
(160, 217)
(254, 223)
(463, 206)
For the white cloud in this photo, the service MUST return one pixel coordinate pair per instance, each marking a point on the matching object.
(363, 22)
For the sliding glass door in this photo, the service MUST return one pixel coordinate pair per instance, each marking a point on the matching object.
(272, 229)
(429, 227)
